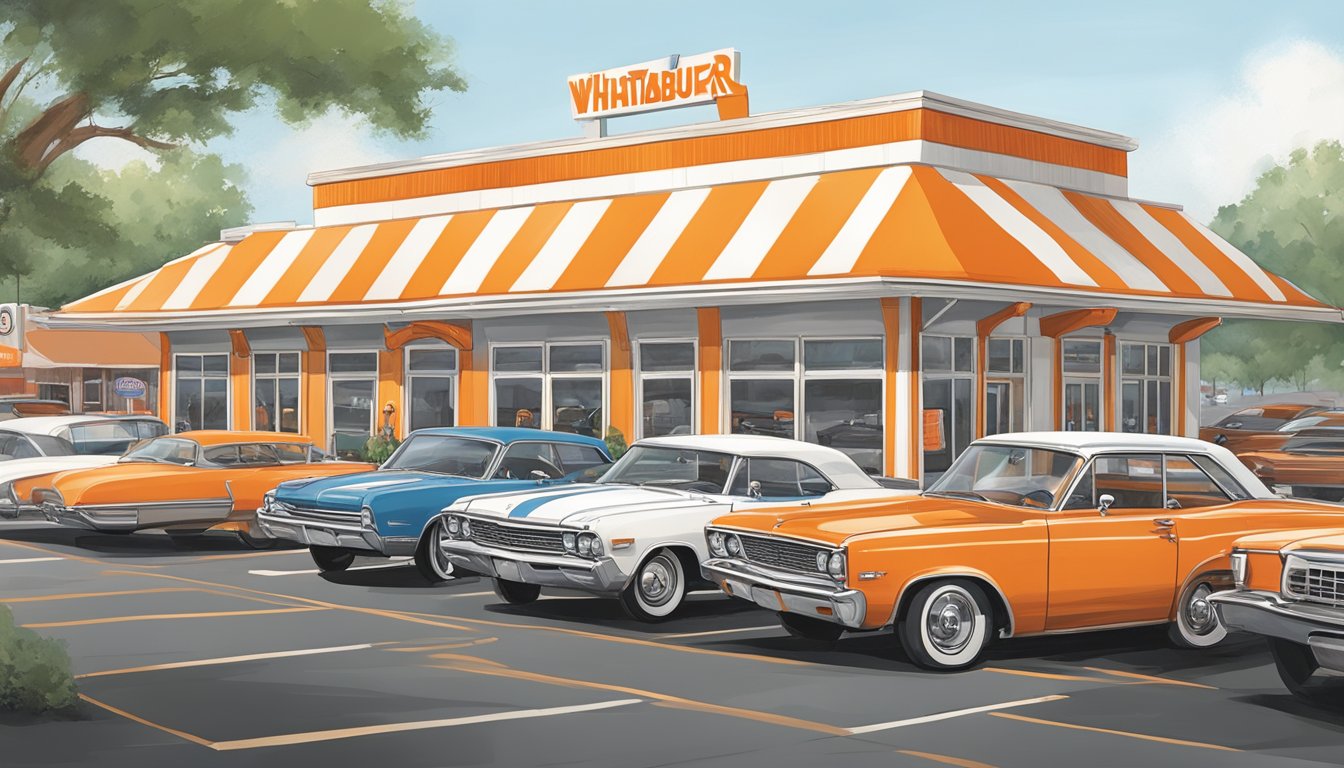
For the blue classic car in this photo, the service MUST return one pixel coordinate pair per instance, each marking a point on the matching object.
(393, 511)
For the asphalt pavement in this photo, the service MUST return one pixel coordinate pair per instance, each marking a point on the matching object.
(205, 653)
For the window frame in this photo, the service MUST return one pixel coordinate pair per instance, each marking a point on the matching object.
(407, 393)
(547, 377)
(350, 376)
(227, 377)
(952, 375)
(1015, 378)
(276, 377)
(1083, 379)
(1121, 378)
(1234, 495)
(640, 376)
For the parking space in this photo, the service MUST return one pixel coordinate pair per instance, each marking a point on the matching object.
(204, 653)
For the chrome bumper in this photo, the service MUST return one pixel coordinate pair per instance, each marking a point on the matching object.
(601, 576)
(320, 533)
(1266, 613)
(773, 590)
(95, 519)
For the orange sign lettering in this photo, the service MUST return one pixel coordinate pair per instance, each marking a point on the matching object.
(652, 85)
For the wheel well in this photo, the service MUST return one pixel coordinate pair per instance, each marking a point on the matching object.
(1002, 613)
(690, 564)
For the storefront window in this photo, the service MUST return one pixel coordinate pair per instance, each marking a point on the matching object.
(431, 386)
(275, 385)
(825, 391)
(201, 392)
(353, 396)
(947, 365)
(667, 388)
(550, 386)
(1005, 386)
(1082, 363)
(93, 391)
(1145, 388)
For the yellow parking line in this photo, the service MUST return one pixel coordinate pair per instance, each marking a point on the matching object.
(660, 699)
(1151, 678)
(1127, 734)
(946, 759)
(681, 635)
(142, 721)
(1052, 676)
(168, 617)
(242, 555)
(445, 646)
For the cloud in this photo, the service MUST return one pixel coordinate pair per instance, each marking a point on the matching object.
(1287, 96)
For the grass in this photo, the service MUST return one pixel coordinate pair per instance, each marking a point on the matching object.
(34, 670)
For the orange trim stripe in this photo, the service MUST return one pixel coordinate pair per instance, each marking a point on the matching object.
(162, 285)
(707, 233)
(305, 266)
(909, 240)
(446, 253)
(1104, 217)
(237, 267)
(816, 223)
(520, 251)
(622, 224)
(1237, 281)
(1290, 291)
(386, 238)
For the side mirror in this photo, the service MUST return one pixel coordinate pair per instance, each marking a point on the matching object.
(1104, 503)
(754, 489)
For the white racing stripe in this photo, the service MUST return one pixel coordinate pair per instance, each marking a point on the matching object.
(950, 715)
(17, 560)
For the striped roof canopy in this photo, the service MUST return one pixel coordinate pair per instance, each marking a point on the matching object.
(906, 222)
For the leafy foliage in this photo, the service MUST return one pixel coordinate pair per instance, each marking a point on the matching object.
(616, 444)
(379, 448)
(34, 670)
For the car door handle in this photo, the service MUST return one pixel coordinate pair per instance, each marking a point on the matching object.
(1164, 523)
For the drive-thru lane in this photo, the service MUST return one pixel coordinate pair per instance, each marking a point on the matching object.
(207, 654)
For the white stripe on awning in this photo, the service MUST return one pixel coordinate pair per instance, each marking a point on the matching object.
(643, 258)
(409, 255)
(1171, 247)
(843, 252)
(1243, 261)
(570, 235)
(481, 256)
(261, 282)
(768, 217)
(198, 275)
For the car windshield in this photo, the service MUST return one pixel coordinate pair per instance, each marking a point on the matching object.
(1266, 418)
(681, 468)
(1319, 420)
(165, 450)
(1008, 474)
(445, 455)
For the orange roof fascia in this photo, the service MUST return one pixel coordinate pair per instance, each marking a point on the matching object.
(1064, 323)
(780, 141)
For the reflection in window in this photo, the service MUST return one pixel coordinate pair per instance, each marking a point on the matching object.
(667, 388)
(557, 386)
(1145, 388)
(1005, 386)
(353, 395)
(275, 384)
(201, 392)
(1082, 362)
(430, 381)
(949, 403)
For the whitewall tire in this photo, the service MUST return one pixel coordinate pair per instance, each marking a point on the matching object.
(948, 626)
(1197, 624)
(658, 588)
(429, 558)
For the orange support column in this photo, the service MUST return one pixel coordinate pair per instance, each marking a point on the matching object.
(1057, 325)
(916, 426)
(240, 380)
(1109, 379)
(983, 328)
(315, 390)
(891, 329)
(166, 380)
(391, 363)
(711, 369)
(621, 414)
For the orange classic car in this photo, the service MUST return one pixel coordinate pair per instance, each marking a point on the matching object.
(1309, 464)
(1025, 534)
(187, 481)
(1289, 586)
(1260, 426)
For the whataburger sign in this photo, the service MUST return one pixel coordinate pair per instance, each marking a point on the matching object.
(676, 81)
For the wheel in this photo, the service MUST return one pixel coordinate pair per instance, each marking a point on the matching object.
(429, 559)
(331, 559)
(948, 626)
(1297, 667)
(810, 629)
(657, 589)
(1197, 624)
(516, 592)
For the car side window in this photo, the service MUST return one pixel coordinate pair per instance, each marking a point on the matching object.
(8, 444)
(779, 477)
(1222, 477)
(1134, 480)
(522, 459)
(574, 458)
(1082, 496)
(23, 448)
(257, 455)
(290, 453)
(223, 455)
(1189, 488)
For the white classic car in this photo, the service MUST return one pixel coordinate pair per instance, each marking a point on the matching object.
(638, 532)
(43, 445)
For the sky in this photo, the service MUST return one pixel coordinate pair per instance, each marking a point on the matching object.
(1215, 92)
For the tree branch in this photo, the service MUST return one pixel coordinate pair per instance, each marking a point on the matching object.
(34, 145)
(83, 133)
(9, 77)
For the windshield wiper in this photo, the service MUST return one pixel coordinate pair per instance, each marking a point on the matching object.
(958, 495)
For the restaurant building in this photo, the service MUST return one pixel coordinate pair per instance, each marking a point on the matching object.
(893, 277)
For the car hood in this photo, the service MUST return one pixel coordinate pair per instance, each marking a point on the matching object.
(579, 505)
(350, 492)
(837, 523)
(18, 469)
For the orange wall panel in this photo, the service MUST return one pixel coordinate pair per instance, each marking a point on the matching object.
(711, 364)
(390, 372)
(621, 414)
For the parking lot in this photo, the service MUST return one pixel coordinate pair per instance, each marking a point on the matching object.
(211, 654)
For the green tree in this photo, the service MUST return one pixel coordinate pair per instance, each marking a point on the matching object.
(161, 75)
(1220, 368)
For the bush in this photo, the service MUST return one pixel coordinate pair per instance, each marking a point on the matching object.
(34, 670)
(616, 444)
(379, 448)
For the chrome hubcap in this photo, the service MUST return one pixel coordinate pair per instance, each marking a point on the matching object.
(657, 581)
(1198, 613)
(951, 621)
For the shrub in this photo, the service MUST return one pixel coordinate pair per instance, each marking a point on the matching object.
(34, 670)
(379, 448)
(616, 444)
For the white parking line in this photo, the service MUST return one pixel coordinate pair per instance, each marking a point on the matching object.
(378, 567)
(346, 733)
(718, 632)
(949, 715)
(17, 560)
(231, 660)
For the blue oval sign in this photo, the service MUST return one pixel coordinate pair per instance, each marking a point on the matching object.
(129, 388)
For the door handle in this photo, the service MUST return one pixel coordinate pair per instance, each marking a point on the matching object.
(1164, 523)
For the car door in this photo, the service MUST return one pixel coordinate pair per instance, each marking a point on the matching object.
(1116, 566)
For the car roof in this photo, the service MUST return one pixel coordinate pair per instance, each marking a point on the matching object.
(1088, 443)
(46, 425)
(513, 434)
(837, 466)
(229, 437)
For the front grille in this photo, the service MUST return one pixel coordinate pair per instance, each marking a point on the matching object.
(516, 536)
(1316, 582)
(320, 515)
(781, 553)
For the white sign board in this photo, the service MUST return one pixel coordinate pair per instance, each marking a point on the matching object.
(675, 81)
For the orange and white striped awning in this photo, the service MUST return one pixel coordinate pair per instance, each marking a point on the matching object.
(907, 222)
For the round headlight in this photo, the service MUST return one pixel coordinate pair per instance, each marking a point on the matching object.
(366, 517)
(837, 565)
(716, 544)
(597, 546)
(585, 545)
(733, 545)
(454, 526)
(823, 561)
(569, 541)
(466, 528)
